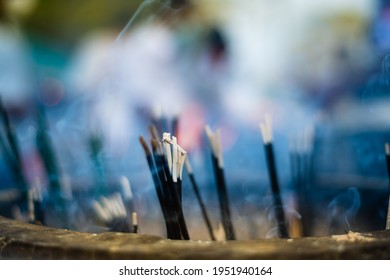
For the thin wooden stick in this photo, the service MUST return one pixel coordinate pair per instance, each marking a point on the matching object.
(12, 152)
(217, 161)
(95, 144)
(199, 198)
(45, 148)
(266, 131)
(135, 222)
(387, 152)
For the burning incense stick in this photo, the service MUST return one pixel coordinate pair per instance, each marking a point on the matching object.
(301, 172)
(217, 160)
(266, 131)
(172, 227)
(199, 198)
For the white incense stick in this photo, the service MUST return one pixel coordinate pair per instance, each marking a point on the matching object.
(167, 148)
(182, 160)
(126, 188)
(175, 159)
(134, 218)
(216, 144)
(100, 212)
(219, 233)
(119, 205)
(188, 166)
(266, 129)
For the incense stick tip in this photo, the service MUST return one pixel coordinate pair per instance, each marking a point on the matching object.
(144, 145)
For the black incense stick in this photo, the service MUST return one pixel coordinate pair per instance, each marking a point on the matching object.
(387, 152)
(277, 200)
(217, 162)
(199, 198)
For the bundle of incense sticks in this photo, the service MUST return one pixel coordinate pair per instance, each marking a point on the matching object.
(301, 162)
(266, 131)
(10, 148)
(217, 161)
(387, 153)
(166, 165)
(111, 212)
(173, 168)
(172, 227)
(199, 198)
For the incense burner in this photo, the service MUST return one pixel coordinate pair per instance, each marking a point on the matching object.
(27, 241)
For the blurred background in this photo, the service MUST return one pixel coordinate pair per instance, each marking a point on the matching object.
(91, 76)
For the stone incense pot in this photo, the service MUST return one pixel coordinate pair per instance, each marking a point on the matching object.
(26, 241)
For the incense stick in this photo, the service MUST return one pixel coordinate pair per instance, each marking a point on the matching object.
(199, 198)
(266, 132)
(45, 148)
(300, 169)
(134, 219)
(12, 152)
(127, 193)
(217, 161)
(387, 153)
(95, 145)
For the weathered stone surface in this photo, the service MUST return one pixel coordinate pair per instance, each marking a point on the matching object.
(25, 241)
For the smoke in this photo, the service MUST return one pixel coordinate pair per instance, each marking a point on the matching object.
(343, 209)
